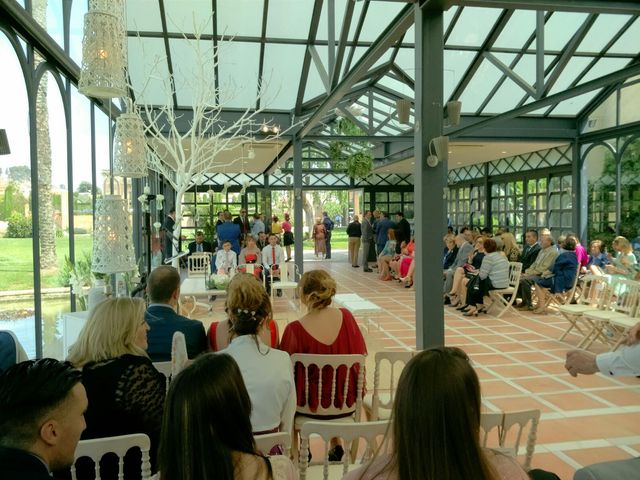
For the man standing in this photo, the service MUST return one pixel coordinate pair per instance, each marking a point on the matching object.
(163, 288)
(328, 226)
(382, 227)
(42, 405)
(229, 231)
(245, 228)
(200, 244)
(543, 263)
(167, 234)
(272, 257)
(257, 226)
(354, 232)
(530, 250)
(367, 238)
(404, 229)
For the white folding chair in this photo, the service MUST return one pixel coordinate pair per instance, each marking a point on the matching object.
(97, 448)
(314, 365)
(289, 276)
(165, 369)
(625, 295)
(351, 433)
(265, 442)
(198, 264)
(503, 422)
(380, 403)
(498, 296)
(593, 295)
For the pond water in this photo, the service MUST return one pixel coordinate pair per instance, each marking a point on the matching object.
(24, 328)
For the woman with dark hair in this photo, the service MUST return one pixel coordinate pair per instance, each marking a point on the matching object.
(561, 276)
(324, 330)
(287, 236)
(435, 426)
(493, 274)
(267, 372)
(206, 431)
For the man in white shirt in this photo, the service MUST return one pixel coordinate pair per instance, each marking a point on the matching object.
(272, 256)
(623, 362)
(226, 259)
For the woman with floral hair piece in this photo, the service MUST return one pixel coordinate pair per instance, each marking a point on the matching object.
(267, 373)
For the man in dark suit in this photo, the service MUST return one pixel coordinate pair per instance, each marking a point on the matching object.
(200, 245)
(243, 221)
(531, 249)
(367, 238)
(42, 405)
(403, 228)
(167, 233)
(163, 288)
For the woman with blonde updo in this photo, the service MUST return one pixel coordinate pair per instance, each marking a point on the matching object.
(324, 330)
(125, 392)
(266, 372)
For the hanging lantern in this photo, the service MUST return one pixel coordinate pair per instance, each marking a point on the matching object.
(112, 241)
(102, 74)
(403, 107)
(129, 147)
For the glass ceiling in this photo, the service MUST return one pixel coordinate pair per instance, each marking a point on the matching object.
(273, 48)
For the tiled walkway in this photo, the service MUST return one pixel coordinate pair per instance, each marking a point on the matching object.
(520, 364)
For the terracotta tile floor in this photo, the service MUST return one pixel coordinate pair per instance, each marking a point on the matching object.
(519, 361)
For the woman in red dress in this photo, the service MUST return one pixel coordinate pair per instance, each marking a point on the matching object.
(324, 330)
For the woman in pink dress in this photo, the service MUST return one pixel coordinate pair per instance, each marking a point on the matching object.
(324, 330)
(287, 236)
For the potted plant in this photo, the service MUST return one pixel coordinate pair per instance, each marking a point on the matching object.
(354, 157)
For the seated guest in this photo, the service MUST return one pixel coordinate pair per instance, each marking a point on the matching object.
(510, 247)
(42, 405)
(163, 288)
(560, 277)
(272, 257)
(200, 245)
(581, 252)
(220, 333)
(493, 274)
(125, 391)
(530, 250)
(267, 373)
(386, 255)
(463, 242)
(206, 431)
(450, 251)
(466, 272)
(251, 254)
(544, 262)
(324, 330)
(443, 440)
(598, 259)
(402, 263)
(262, 241)
(226, 259)
(229, 231)
(624, 264)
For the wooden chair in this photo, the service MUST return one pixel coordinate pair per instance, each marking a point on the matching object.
(498, 296)
(380, 403)
(97, 448)
(351, 433)
(265, 442)
(625, 294)
(502, 423)
(289, 276)
(315, 365)
(198, 264)
(593, 296)
(561, 298)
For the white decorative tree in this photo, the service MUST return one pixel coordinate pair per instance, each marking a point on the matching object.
(182, 157)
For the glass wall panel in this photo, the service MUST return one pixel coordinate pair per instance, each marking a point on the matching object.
(630, 193)
(600, 175)
(53, 200)
(629, 101)
(16, 254)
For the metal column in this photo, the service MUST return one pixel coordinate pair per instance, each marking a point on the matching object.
(298, 232)
(430, 183)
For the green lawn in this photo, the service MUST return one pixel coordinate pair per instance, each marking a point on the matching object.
(339, 239)
(16, 262)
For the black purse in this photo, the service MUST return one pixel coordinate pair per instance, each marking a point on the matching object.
(474, 283)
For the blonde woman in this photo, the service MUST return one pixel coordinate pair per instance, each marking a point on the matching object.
(510, 247)
(267, 372)
(126, 393)
(324, 330)
(624, 264)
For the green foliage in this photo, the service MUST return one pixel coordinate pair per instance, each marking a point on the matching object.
(19, 226)
(84, 187)
(19, 174)
(357, 164)
(210, 225)
(14, 201)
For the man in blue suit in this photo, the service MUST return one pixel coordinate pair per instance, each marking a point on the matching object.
(229, 231)
(163, 288)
